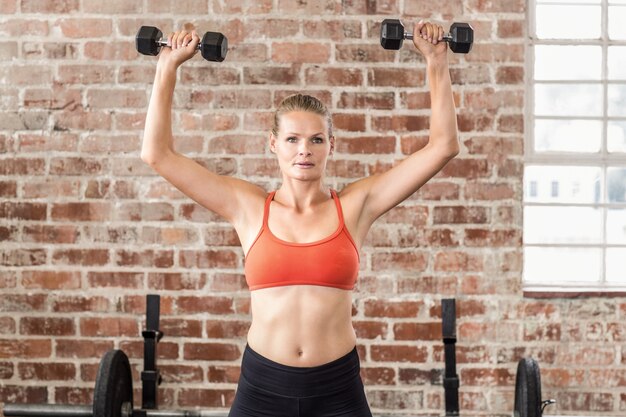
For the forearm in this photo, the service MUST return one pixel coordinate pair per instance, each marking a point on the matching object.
(157, 137)
(443, 123)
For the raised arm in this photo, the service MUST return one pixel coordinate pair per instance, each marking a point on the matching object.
(223, 195)
(380, 193)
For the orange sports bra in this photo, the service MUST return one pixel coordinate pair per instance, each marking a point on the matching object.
(330, 262)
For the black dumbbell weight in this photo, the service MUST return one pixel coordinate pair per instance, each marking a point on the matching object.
(213, 46)
(459, 39)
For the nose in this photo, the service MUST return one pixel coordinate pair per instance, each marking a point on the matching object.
(303, 149)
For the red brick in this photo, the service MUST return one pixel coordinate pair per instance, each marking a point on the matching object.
(85, 74)
(69, 304)
(227, 329)
(44, 326)
(300, 52)
(379, 376)
(49, 6)
(371, 329)
(85, 28)
(225, 282)
(491, 238)
(8, 233)
(510, 29)
(398, 353)
(240, 7)
(112, 6)
(458, 261)
(272, 28)
(337, 30)
(362, 53)
(173, 281)
(212, 122)
(108, 327)
(460, 215)
(86, 257)
(146, 258)
(23, 257)
(47, 371)
(380, 101)
(8, 189)
(422, 9)
(76, 166)
(349, 122)
(417, 331)
(211, 352)
(35, 348)
(413, 262)
(23, 211)
(242, 99)
(22, 166)
(394, 77)
(367, 145)
(72, 348)
(200, 305)
(22, 394)
(51, 280)
(73, 395)
(585, 401)
(49, 186)
(7, 325)
(22, 302)
(400, 123)
(8, 6)
(181, 328)
(394, 309)
(79, 119)
(209, 259)
(428, 285)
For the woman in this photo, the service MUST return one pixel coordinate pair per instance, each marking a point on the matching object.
(302, 241)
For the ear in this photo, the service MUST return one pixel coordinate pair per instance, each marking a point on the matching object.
(272, 143)
(332, 145)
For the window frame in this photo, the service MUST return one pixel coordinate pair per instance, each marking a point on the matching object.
(603, 160)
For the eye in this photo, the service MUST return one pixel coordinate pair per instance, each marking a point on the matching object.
(318, 140)
(292, 139)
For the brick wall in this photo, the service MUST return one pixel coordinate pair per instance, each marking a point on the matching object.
(87, 229)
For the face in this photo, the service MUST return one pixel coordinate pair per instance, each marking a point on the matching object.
(302, 145)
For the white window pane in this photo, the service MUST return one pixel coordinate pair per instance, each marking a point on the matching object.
(616, 183)
(568, 22)
(617, 62)
(616, 265)
(617, 17)
(568, 135)
(578, 185)
(560, 62)
(562, 225)
(568, 100)
(616, 137)
(562, 265)
(617, 100)
(616, 226)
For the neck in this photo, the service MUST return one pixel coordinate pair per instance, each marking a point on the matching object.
(302, 194)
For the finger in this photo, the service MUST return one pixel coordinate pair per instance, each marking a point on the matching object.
(195, 39)
(418, 28)
(441, 33)
(181, 38)
(170, 38)
(187, 40)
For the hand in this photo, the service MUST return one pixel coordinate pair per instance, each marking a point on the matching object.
(184, 45)
(428, 39)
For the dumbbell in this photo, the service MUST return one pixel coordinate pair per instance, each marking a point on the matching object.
(213, 47)
(459, 39)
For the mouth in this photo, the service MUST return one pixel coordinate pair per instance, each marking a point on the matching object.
(304, 164)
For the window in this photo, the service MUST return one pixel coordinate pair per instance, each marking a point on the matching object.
(576, 140)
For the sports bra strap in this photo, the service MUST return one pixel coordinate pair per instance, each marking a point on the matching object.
(266, 210)
(338, 205)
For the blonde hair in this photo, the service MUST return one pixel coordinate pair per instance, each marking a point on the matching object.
(302, 102)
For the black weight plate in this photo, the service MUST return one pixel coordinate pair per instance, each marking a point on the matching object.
(527, 389)
(114, 385)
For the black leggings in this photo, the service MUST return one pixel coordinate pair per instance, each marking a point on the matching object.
(270, 389)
